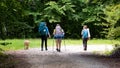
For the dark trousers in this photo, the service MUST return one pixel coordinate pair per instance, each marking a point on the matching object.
(43, 41)
(85, 43)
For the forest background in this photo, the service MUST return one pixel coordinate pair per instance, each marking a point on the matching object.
(21, 18)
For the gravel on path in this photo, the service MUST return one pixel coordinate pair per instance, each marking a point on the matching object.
(69, 57)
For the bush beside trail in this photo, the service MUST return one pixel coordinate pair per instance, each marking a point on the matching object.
(6, 61)
(116, 52)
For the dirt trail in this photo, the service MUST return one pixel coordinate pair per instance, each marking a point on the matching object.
(69, 57)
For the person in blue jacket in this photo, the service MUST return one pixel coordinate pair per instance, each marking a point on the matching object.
(44, 33)
(85, 36)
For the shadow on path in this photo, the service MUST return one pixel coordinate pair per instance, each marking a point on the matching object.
(71, 57)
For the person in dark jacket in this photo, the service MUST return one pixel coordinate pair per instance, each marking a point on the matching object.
(44, 32)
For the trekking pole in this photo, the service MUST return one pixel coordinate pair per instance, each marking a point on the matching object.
(64, 44)
(53, 45)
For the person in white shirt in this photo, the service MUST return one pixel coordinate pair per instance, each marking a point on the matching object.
(85, 36)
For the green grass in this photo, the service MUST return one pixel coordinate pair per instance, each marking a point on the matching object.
(90, 42)
(18, 44)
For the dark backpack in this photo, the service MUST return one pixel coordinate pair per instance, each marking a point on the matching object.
(42, 29)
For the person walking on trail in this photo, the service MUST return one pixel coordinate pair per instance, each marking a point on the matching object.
(44, 33)
(58, 35)
(85, 36)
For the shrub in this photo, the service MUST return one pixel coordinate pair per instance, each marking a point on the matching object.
(114, 33)
(116, 52)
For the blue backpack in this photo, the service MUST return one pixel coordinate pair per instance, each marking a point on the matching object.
(85, 33)
(42, 28)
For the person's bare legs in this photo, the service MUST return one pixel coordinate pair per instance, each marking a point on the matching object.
(57, 44)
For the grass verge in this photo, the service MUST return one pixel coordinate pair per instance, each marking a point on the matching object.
(18, 44)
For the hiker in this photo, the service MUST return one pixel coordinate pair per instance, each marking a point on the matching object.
(44, 33)
(85, 36)
(58, 35)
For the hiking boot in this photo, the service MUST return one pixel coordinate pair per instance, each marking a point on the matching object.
(85, 49)
(57, 49)
(41, 49)
(46, 49)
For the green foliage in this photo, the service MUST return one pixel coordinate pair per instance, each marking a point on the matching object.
(18, 30)
(112, 17)
(114, 33)
(115, 53)
(112, 14)
(10, 12)
(100, 15)
(56, 10)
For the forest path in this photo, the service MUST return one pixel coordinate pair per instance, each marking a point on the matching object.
(69, 57)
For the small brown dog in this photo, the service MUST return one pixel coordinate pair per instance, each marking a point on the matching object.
(26, 44)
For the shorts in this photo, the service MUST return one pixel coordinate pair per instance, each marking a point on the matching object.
(58, 36)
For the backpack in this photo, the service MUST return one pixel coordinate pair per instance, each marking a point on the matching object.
(59, 33)
(85, 33)
(42, 29)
